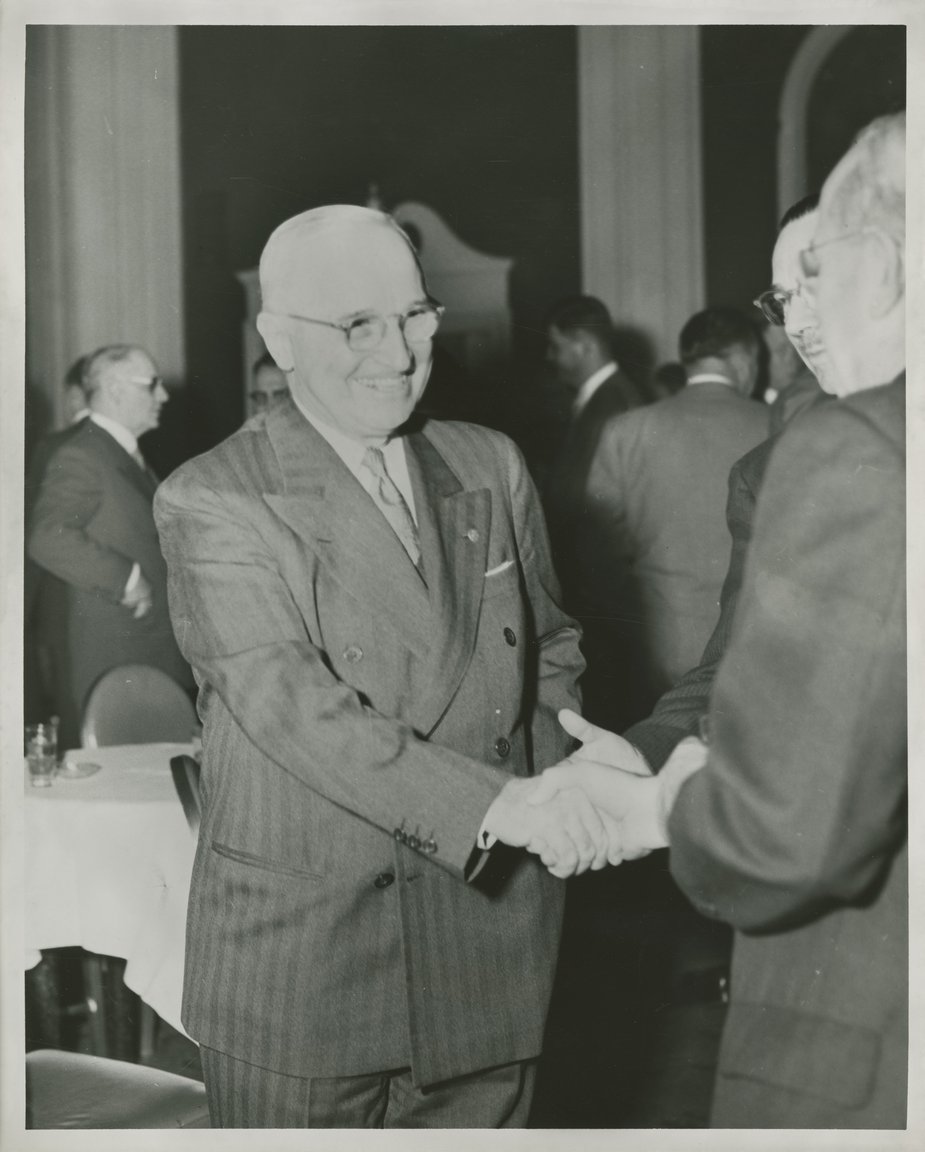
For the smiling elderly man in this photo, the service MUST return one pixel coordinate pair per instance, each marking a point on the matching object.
(370, 611)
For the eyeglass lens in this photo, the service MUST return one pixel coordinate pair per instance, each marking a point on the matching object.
(369, 331)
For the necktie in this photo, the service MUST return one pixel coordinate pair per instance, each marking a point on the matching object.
(391, 504)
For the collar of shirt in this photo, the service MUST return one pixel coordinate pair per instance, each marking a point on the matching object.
(591, 385)
(352, 452)
(117, 431)
(710, 378)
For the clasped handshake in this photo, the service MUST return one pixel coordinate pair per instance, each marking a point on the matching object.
(599, 806)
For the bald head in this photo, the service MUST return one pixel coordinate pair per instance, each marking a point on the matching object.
(347, 317)
(308, 254)
(857, 258)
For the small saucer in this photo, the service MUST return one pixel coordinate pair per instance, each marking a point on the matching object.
(76, 769)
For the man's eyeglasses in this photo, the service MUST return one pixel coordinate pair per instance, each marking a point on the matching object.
(773, 303)
(152, 383)
(365, 333)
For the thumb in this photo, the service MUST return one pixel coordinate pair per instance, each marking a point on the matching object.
(577, 726)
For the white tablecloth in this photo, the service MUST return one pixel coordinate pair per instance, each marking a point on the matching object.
(108, 863)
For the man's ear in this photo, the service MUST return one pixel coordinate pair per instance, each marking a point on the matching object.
(275, 335)
(885, 273)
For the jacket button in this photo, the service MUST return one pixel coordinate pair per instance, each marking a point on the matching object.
(353, 653)
(414, 842)
(430, 846)
(384, 879)
(473, 536)
(503, 747)
(510, 636)
(400, 835)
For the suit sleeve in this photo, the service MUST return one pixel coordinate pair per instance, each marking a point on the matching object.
(802, 801)
(677, 713)
(70, 494)
(558, 659)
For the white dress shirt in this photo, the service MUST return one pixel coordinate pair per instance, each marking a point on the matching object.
(352, 452)
(591, 385)
(710, 378)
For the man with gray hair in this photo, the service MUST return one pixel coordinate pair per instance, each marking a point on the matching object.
(791, 824)
(369, 607)
(92, 528)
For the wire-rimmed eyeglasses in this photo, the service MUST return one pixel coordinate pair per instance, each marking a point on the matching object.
(773, 303)
(365, 333)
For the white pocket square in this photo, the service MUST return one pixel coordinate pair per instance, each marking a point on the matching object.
(503, 567)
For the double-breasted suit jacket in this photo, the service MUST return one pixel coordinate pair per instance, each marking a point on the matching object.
(358, 724)
(91, 522)
(796, 830)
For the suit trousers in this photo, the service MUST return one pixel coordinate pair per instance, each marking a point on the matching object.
(241, 1095)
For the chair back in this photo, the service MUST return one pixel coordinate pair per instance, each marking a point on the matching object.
(185, 772)
(137, 704)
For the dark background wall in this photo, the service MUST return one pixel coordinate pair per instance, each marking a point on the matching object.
(479, 123)
(482, 125)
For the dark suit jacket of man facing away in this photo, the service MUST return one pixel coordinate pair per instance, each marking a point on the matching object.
(677, 713)
(796, 831)
(660, 544)
(91, 522)
(358, 726)
(572, 530)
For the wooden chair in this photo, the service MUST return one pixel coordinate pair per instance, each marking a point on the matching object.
(72, 1090)
(185, 772)
(136, 704)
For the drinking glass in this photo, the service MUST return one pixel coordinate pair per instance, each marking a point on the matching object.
(41, 753)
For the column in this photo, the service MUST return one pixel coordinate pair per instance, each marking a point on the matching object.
(641, 176)
(103, 225)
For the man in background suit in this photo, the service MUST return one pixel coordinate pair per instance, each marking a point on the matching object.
(579, 347)
(371, 613)
(656, 488)
(792, 824)
(92, 528)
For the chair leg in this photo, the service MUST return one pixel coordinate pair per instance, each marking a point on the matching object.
(96, 1001)
(148, 1032)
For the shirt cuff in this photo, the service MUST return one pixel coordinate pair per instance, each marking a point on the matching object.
(133, 578)
(689, 757)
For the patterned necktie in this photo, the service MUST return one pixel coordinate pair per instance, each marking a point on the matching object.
(391, 504)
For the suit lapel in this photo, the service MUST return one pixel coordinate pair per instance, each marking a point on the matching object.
(107, 445)
(454, 526)
(324, 504)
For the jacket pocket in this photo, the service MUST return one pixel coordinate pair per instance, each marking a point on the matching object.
(278, 866)
(800, 1052)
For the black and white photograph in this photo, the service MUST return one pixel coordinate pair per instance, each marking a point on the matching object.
(455, 561)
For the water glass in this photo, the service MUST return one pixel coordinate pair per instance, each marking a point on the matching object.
(41, 753)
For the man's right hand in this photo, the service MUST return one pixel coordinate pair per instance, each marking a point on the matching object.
(566, 832)
(139, 597)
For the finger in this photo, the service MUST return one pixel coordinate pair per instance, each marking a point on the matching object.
(583, 826)
(547, 786)
(613, 848)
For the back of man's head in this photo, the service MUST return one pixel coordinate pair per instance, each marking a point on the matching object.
(858, 257)
(722, 340)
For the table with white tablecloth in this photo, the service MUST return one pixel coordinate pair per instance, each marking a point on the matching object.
(108, 864)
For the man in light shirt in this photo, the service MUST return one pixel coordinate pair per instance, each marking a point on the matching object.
(92, 528)
(369, 606)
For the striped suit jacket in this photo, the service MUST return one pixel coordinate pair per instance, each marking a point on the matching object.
(358, 725)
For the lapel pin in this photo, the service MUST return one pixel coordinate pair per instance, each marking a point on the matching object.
(472, 535)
